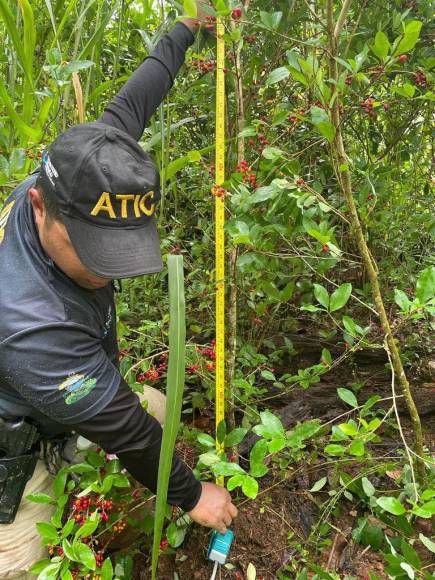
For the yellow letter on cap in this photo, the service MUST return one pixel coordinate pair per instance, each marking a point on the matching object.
(104, 204)
(143, 207)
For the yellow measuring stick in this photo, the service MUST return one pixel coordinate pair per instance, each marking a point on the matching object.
(219, 232)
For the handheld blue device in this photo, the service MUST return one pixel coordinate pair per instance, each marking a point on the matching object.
(219, 547)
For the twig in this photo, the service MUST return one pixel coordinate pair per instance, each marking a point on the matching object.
(396, 412)
(341, 19)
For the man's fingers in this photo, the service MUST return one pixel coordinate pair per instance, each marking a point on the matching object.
(233, 510)
(228, 520)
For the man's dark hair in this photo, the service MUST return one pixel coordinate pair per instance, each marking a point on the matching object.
(50, 202)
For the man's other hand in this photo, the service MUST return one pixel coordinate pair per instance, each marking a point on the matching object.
(214, 508)
(194, 23)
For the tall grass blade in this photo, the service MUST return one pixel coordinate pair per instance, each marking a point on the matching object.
(14, 33)
(29, 42)
(19, 124)
(174, 394)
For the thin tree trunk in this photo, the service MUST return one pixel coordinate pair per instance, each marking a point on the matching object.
(232, 309)
(341, 163)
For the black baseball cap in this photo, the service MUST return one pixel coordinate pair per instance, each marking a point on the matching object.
(107, 188)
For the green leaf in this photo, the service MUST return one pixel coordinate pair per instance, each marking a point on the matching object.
(250, 487)
(272, 153)
(302, 432)
(239, 232)
(108, 483)
(47, 531)
(410, 554)
(85, 555)
(268, 375)
(427, 542)
(381, 46)
(333, 449)
(368, 488)
(59, 482)
(175, 534)
(227, 468)
(106, 571)
(402, 300)
(194, 156)
(221, 431)
(391, 505)
(276, 444)
(50, 572)
(356, 448)
(321, 295)
(209, 458)
(40, 498)
(38, 566)
(270, 427)
(347, 396)
(174, 394)
(206, 440)
(251, 572)
(77, 65)
(427, 510)
(277, 75)
(340, 296)
(349, 428)
(327, 129)
(405, 90)
(88, 527)
(80, 468)
(235, 437)
(368, 534)
(410, 37)
(190, 8)
(425, 289)
(271, 20)
(67, 528)
(120, 480)
(256, 457)
(69, 551)
(235, 481)
(320, 484)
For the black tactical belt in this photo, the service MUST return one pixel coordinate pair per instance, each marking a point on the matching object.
(18, 458)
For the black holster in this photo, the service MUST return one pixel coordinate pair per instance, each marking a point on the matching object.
(18, 457)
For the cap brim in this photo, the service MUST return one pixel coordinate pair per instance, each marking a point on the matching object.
(116, 252)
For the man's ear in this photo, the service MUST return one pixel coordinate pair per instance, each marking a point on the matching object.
(37, 201)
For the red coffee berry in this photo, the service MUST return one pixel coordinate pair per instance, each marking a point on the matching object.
(300, 181)
(325, 248)
(403, 58)
(236, 13)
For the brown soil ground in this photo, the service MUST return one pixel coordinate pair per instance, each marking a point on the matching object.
(272, 531)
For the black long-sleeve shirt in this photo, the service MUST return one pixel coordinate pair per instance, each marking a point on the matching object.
(58, 348)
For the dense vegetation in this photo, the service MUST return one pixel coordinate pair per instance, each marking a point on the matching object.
(330, 274)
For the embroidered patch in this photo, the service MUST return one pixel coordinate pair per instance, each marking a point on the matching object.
(4, 214)
(76, 387)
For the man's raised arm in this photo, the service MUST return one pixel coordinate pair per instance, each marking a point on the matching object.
(132, 108)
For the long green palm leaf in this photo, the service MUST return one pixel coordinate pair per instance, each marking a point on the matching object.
(174, 394)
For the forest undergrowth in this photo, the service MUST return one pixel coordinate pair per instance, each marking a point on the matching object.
(329, 433)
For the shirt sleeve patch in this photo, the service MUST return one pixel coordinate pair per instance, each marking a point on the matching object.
(4, 214)
(76, 387)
